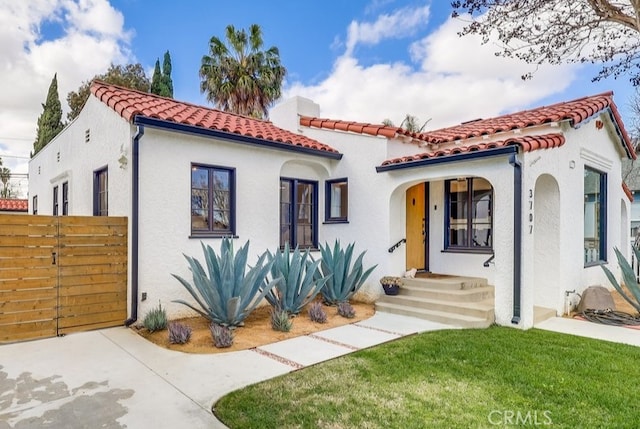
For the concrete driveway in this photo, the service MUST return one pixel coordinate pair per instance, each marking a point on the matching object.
(113, 378)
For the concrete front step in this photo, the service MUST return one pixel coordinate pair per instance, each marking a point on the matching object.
(434, 316)
(446, 283)
(482, 309)
(458, 295)
(540, 314)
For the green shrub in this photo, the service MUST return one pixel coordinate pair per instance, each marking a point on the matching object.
(155, 319)
(227, 293)
(317, 313)
(299, 283)
(343, 279)
(629, 278)
(346, 310)
(222, 336)
(179, 333)
(280, 320)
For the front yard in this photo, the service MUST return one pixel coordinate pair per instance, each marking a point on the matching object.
(497, 377)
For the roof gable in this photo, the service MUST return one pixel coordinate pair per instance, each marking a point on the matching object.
(129, 104)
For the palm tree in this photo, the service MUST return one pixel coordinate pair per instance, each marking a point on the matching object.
(238, 76)
(5, 176)
(409, 123)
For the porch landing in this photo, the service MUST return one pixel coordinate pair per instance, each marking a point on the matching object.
(454, 300)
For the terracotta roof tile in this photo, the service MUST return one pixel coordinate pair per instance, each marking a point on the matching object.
(527, 144)
(14, 205)
(129, 103)
(576, 111)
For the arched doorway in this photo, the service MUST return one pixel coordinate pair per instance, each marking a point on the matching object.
(546, 230)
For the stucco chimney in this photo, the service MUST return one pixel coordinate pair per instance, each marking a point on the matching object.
(286, 114)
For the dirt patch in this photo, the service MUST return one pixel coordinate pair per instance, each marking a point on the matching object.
(622, 304)
(256, 331)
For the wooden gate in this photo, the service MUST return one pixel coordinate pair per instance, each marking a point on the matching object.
(61, 274)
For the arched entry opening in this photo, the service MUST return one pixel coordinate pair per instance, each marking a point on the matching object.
(546, 231)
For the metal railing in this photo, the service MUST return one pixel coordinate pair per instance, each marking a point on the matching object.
(489, 261)
(398, 244)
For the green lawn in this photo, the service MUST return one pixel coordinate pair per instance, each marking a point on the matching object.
(496, 377)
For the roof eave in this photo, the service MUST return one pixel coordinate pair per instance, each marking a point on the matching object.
(236, 138)
(467, 156)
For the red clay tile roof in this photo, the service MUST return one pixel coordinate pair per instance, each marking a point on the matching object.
(129, 103)
(627, 191)
(576, 111)
(527, 143)
(13, 205)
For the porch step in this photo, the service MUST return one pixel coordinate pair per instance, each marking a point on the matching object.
(454, 300)
(446, 283)
(434, 316)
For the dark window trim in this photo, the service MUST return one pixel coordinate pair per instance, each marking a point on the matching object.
(231, 232)
(56, 202)
(96, 191)
(65, 198)
(448, 248)
(602, 224)
(328, 219)
(293, 236)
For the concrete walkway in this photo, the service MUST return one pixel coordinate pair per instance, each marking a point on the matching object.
(114, 378)
(582, 328)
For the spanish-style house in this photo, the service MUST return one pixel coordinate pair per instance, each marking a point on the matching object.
(531, 203)
(14, 206)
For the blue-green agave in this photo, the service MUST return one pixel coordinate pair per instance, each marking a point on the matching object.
(629, 278)
(344, 280)
(299, 283)
(227, 293)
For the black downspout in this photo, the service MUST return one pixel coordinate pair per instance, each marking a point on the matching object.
(134, 225)
(517, 235)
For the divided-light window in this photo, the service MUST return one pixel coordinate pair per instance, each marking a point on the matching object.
(212, 200)
(336, 200)
(298, 213)
(469, 214)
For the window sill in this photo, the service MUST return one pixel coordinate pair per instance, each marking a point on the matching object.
(595, 264)
(212, 235)
(487, 251)
(333, 221)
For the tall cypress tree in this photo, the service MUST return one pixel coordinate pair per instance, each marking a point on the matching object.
(167, 82)
(156, 79)
(50, 121)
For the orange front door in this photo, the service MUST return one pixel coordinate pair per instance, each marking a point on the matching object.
(416, 227)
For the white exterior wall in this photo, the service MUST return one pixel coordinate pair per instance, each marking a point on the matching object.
(67, 158)
(165, 205)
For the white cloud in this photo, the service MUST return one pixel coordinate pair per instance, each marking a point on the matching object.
(91, 36)
(450, 79)
(401, 23)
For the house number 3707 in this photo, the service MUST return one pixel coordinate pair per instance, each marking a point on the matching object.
(530, 211)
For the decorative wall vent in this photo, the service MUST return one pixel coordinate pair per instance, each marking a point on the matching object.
(87, 135)
(58, 156)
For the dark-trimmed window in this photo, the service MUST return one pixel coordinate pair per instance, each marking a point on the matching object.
(336, 200)
(65, 198)
(469, 214)
(595, 216)
(298, 213)
(212, 200)
(34, 205)
(55, 200)
(101, 192)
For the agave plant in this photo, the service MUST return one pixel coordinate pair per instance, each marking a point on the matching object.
(629, 278)
(299, 283)
(344, 280)
(226, 293)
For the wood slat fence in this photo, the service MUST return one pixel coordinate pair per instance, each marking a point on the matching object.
(61, 274)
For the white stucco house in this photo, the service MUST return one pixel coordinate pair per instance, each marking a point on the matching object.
(532, 201)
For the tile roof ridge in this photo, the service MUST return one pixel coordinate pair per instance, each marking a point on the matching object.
(97, 82)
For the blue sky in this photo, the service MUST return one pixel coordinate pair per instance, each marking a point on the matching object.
(360, 60)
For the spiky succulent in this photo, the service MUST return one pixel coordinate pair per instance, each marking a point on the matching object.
(179, 333)
(222, 336)
(280, 320)
(317, 313)
(346, 310)
(155, 319)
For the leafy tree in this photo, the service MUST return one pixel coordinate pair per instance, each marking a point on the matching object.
(50, 121)
(239, 76)
(556, 31)
(161, 82)
(409, 123)
(130, 76)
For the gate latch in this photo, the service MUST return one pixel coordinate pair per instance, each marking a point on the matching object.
(53, 254)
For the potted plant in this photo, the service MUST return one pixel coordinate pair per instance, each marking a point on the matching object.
(391, 284)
